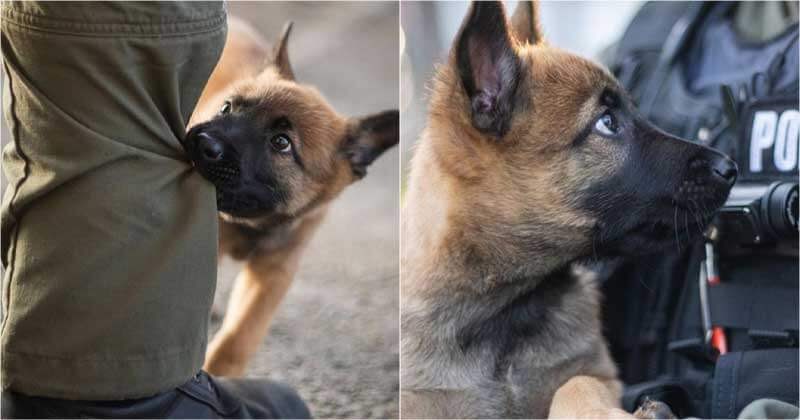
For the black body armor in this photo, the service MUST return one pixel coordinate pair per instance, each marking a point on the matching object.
(691, 75)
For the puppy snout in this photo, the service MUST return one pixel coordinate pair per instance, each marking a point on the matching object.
(724, 169)
(709, 179)
(715, 168)
(211, 148)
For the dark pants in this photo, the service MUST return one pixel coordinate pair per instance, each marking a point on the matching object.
(201, 397)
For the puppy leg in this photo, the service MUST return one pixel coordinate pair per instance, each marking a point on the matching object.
(588, 397)
(217, 311)
(259, 289)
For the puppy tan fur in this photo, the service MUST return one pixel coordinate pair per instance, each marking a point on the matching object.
(532, 161)
(278, 154)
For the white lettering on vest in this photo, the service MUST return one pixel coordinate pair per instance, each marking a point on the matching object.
(781, 132)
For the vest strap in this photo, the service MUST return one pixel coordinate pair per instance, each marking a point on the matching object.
(759, 309)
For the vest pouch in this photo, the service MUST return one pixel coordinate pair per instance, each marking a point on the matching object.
(743, 377)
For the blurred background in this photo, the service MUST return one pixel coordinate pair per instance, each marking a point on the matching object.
(335, 336)
(428, 28)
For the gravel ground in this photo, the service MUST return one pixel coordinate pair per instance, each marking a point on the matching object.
(335, 336)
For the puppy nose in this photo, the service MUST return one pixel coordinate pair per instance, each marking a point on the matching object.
(724, 168)
(210, 147)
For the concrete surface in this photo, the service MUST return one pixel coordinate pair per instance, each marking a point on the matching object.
(335, 336)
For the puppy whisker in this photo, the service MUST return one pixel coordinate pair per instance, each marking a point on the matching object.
(694, 209)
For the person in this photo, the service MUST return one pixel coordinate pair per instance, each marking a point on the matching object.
(710, 327)
(108, 235)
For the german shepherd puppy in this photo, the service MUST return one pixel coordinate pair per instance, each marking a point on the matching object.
(277, 154)
(533, 160)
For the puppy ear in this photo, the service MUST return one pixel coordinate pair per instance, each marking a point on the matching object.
(280, 54)
(368, 137)
(525, 23)
(488, 66)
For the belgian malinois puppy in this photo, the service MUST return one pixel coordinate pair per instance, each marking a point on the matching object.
(533, 160)
(277, 154)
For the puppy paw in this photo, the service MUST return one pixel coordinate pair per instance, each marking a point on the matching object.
(652, 409)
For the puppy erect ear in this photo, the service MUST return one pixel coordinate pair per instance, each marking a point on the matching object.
(369, 137)
(525, 23)
(488, 66)
(280, 54)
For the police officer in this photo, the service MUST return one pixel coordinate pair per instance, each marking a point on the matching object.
(711, 327)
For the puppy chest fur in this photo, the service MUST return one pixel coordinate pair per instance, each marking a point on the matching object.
(502, 353)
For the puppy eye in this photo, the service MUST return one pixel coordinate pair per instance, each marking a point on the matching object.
(607, 124)
(281, 143)
(226, 108)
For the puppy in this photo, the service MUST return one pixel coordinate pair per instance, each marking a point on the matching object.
(532, 160)
(277, 154)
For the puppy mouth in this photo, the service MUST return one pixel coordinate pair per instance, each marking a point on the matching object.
(675, 228)
(684, 226)
(222, 174)
(242, 205)
(664, 231)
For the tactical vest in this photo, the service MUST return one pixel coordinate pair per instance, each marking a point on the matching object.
(690, 75)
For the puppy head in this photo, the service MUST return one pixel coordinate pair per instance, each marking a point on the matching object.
(277, 148)
(550, 152)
